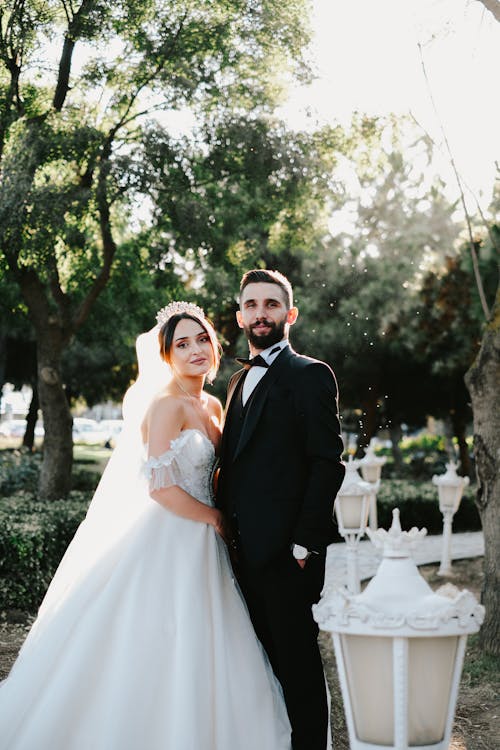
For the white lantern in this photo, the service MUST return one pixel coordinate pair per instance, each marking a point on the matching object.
(450, 489)
(352, 506)
(399, 649)
(371, 469)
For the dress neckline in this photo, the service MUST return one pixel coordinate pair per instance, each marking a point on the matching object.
(200, 432)
(182, 432)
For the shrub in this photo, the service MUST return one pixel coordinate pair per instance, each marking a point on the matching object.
(423, 456)
(19, 470)
(419, 506)
(84, 480)
(33, 538)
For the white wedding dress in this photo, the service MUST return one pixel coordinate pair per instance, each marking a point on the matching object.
(150, 647)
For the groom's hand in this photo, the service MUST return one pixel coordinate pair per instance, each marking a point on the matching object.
(301, 563)
(220, 525)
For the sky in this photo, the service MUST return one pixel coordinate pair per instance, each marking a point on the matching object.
(366, 58)
(365, 54)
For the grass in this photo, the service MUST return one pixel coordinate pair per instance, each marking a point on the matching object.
(479, 667)
(476, 725)
(93, 457)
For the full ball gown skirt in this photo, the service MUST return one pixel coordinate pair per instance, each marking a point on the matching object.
(153, 648)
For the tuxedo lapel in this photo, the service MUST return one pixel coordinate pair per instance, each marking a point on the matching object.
(231, 391)
(233, 386)
(259, 397)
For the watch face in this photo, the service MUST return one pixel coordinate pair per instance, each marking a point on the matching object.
(300, 553)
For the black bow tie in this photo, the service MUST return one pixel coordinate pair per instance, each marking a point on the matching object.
(258, 360)
(255, 361)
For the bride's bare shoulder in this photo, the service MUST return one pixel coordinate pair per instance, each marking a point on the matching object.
(165, 409)
(214, 406)
(165, 404)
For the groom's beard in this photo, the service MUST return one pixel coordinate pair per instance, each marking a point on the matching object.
(264, 341)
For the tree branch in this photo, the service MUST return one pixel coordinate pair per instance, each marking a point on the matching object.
(59, 297)
(166, 50)
(108, 243)
(11, 55)
(70, 39)
(493, 6)
(474, 196)
(475, 264)
(62, 86)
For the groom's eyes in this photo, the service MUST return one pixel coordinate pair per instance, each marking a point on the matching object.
(268, 303)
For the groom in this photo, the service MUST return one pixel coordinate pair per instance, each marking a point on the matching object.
(280, 472)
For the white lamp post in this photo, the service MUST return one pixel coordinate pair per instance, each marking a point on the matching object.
(371, 469)
(399, 649)
(351, 508)
(450, 489)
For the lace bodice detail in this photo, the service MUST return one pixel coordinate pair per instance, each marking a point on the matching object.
(189, 464)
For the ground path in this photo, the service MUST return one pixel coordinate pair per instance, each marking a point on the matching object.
(476, 717)
(428, 550)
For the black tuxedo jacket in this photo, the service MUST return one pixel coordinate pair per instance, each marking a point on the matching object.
(281, 479)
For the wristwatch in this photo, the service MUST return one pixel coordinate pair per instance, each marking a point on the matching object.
(300, 552)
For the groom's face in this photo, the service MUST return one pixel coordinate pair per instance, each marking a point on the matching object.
(264, 314)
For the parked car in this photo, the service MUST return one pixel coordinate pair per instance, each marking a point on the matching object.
(17, 428)
(13, 428)
(88, 431)
(111, 428)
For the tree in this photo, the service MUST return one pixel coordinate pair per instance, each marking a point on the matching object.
(70, 143)
(363, 282)
(447, 335)
(483, 382)
(245, 193)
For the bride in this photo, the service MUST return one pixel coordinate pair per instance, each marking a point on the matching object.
(143, 641)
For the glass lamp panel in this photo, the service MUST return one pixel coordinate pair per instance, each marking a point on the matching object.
(370, 473)
(447, 496)
(368, 665)
(431, 666)
(351, 510)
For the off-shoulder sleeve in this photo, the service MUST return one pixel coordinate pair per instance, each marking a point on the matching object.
(163, 471)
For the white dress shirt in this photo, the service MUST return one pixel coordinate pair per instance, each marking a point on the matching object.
(256, 373)
(252, 378)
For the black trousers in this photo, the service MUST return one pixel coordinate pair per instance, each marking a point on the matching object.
(279, 598)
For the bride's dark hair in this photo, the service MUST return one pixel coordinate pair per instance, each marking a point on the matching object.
(166, 338)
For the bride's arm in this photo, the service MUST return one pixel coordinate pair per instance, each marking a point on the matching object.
(164, 424)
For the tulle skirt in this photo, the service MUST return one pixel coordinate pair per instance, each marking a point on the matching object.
(152, 649)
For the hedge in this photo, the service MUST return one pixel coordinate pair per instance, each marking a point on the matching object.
(33, 538)
(34, 534)
(419, 506)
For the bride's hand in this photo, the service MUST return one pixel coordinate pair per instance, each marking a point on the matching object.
(219, 524)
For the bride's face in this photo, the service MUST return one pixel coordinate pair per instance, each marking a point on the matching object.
(191, 351)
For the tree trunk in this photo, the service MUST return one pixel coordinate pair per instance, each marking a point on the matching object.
(396, 435)
(55, 474)
(29, 435)
(448, 438)
(483, 382)
(368, 425)
(459, 425)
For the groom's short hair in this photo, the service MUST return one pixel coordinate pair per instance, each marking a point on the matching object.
(265, 276)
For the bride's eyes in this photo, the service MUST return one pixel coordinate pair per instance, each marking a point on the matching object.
(203, 339)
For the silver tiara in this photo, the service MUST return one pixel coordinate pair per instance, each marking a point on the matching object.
(175, 308)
